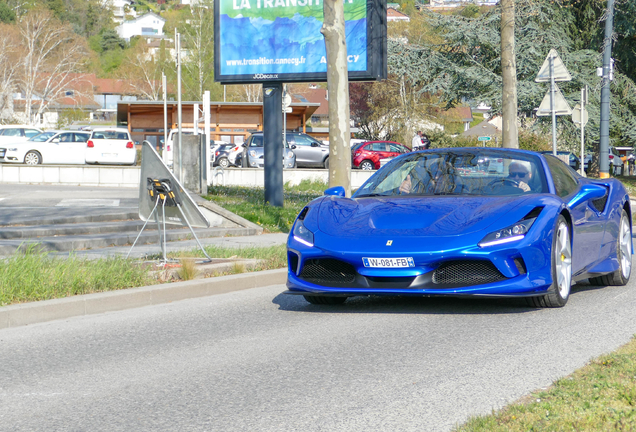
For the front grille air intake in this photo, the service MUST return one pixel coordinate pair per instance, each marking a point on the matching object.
(328, 271)
(466, 273)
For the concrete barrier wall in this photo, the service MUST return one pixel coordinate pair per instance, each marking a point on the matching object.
(79, 175)
(114, 176)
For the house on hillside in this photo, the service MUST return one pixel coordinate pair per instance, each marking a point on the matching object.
(147, 25)
(394, 15)
(121, 9)
(84, 94)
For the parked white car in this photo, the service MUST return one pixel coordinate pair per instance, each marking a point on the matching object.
(111, 146)
(52, 147)
(17, 133)
(168, 149)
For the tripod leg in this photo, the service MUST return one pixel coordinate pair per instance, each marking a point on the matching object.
(163, 245)
(142, 228)
(192, 231)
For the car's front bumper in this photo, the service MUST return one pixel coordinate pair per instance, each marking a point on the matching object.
(508, 270)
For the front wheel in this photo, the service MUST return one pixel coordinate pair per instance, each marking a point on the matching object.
(327, 163)
(561, 254)
(32, 158)
(624, 254)
(224, 162)
(322, 300)
(366, 165)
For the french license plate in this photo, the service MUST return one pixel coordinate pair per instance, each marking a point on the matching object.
(108, 155)
(388, 262)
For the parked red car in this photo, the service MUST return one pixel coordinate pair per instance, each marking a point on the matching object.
(367, 155)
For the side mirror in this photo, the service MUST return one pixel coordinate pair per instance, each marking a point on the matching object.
(315, 144)
(55, 140)
(244, 144)
(587, 192)
(335, 191)
(293, 147)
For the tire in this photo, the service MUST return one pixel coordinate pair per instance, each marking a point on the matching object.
(366, 165)
(326, 163)
(224, 162)
(322, 300)
(624, 254)
(32, 158)
(561, 264)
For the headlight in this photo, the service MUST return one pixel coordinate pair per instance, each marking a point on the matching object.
(253, 153)
(300, 231)
(290, 155)
(509, 234)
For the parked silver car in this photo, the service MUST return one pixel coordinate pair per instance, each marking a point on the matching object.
(309, 151)
(253, 156)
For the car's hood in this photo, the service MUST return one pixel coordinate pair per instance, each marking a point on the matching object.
(421, 216)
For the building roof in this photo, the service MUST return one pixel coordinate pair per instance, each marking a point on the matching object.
(314, 96)
(145, 15)
(394, 15)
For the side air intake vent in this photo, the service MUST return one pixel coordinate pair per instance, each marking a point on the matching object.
(328, 271)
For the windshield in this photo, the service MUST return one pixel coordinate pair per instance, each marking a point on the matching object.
(458, 172)
(111, 135)
(42, 137)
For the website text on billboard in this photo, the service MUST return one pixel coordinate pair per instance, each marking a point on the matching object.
(283, 36)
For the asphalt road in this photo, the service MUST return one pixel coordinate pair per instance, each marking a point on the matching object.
(23, 201)
(257, 360)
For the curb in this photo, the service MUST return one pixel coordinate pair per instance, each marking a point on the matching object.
(88, 304)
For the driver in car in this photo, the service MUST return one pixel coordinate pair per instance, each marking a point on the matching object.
(520, 174)
(437, 178)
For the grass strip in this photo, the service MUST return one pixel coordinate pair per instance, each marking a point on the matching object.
(598, 397)
(249, 202)
(32, 275)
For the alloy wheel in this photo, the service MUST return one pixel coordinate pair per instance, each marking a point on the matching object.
(625, 247)
(563, 260)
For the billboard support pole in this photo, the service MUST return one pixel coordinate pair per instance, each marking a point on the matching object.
(273, 142)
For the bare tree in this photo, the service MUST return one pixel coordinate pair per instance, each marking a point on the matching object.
(52, 56)
(198, 38)
(9, 63)
(509, 75)
(333, 29)
(142, 73)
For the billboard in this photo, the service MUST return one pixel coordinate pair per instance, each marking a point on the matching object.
(280, 41)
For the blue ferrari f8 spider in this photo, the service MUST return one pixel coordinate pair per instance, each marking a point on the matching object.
(463, 222)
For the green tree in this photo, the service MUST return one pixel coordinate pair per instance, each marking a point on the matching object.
(466, 65)
(6, 13)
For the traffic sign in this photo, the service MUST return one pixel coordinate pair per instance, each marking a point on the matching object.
(576, 115)
(561, 106)
(484, 138)
(560, 71)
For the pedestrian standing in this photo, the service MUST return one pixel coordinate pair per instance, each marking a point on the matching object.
(416, 142)
(426, 143)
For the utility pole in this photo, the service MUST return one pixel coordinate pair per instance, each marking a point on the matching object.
(333, 29)
(178, 171)
(605, 92)
(509, 75)
(165, 117)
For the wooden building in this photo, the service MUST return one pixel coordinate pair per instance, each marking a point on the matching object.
(229, 121)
